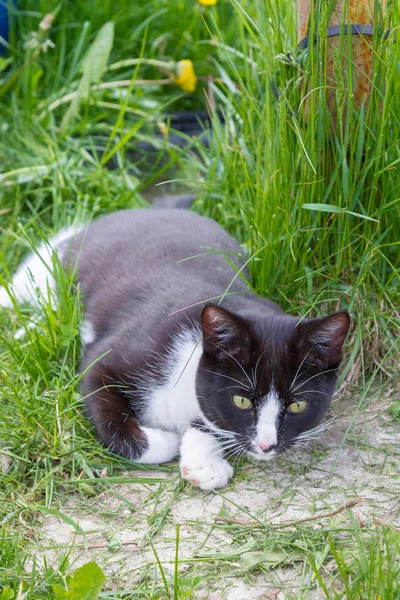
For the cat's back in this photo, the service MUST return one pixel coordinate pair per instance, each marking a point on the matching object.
(169, 256)
(165, 233)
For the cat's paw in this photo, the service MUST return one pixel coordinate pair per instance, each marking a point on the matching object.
(205, 472)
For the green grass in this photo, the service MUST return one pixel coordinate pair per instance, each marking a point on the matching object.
(317, 207)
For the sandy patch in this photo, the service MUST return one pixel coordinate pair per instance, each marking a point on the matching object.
(364, 466)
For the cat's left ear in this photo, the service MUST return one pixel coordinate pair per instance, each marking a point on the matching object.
(225, 336)
(322, 339)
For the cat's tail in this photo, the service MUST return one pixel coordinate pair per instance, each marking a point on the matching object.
(34, 277)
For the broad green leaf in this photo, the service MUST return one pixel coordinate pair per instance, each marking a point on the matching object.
(59, 591)
(99, 53)
(93, 68)
(84, 584)
(7, 594)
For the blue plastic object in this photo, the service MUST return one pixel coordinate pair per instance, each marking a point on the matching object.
(5, 6)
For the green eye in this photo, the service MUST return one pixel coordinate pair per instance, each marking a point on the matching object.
(297, 407)
(241, 402)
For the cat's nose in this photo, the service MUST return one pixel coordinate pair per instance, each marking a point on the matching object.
(265, 447)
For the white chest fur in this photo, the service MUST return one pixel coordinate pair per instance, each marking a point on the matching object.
(172, 404)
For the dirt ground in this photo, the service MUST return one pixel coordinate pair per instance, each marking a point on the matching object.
(356, 459)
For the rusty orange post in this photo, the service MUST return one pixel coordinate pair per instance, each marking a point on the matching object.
(350, 17)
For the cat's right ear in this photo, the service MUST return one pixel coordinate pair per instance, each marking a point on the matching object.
(225, 336)
(321, 340)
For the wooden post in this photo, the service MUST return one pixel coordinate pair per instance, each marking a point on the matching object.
(359, 17)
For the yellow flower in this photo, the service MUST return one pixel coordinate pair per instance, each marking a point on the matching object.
(208, 2)
(186, 77)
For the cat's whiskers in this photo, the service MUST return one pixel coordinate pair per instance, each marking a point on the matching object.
(312, 433)
(302, 445)
(223, 433)
(240, 383)
(300, 442)
(309, 441)
(228, 387)
(220, 453)
(239, 365)
(289, 451)
(313, 377)
(241, 454)
(231, 450)
(299, 369)
(229, 445)
(236, 454)
(224, 447)
(312, 392)
(311, 437)
(323, 425)
(255, 369)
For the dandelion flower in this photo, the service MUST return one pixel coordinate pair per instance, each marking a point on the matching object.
(208, 2)
(186, 77)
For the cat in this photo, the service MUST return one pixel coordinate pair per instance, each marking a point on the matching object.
(179, 356)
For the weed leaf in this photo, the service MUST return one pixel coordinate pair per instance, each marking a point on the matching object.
(7, 594)
(84, 584)
(93, 68)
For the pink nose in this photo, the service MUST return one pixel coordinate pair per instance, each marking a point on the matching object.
(263, 446)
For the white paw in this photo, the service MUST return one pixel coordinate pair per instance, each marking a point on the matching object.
(205, 472)
(163, 446)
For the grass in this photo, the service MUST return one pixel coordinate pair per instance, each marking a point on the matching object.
(315, 202)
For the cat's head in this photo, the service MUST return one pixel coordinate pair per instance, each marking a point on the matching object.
(263, 382)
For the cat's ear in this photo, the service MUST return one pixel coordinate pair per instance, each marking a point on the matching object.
(225, 336)
(321, 340)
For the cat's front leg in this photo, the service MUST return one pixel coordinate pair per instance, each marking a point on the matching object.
(202, 461)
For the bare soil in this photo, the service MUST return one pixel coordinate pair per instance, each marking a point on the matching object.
(357, 459)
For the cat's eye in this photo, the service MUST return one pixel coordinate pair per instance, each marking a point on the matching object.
(297, 407)
(241, 402)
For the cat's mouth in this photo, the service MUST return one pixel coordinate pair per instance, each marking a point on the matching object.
(259, 454)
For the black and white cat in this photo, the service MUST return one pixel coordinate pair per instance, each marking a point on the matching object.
(183, 358)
